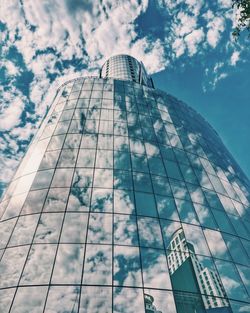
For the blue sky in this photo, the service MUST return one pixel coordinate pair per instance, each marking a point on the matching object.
(186, 45)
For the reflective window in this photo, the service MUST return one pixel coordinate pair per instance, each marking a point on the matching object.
(68, 264)
(97, 265)
(39, 265)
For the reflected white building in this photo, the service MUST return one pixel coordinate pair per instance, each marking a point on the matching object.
(179, 250)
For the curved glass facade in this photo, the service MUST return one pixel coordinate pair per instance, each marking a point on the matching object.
(126, 201)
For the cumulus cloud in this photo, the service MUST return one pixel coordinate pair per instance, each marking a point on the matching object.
(234, 58)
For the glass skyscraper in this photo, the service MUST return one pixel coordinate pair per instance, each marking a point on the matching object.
(125, 201)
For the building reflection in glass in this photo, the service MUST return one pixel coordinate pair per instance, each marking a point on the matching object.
(188, 275)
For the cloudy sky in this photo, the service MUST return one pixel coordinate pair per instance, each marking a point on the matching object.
(186, 45)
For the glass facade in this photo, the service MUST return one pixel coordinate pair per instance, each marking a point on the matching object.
(126, 201)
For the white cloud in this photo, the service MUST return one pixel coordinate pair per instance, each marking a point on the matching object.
(11, 68)
(225, 4)
(215, 28)
(12, 106)
(193, 40)
(234, 58)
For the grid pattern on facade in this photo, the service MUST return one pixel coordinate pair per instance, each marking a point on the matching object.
(89, 221)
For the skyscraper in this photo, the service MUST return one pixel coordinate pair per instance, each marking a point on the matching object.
(125, 201)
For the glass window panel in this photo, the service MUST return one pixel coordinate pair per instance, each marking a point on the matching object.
(161, 185)
(74, 228)
(15, 206)
(66, 115)
(218, 187)
(62, 299)
(152, 150)
(125, 230)
(100, 228)
(101, 302)
(89, 141)
(128, 300)
(124, 202)
(137, 146)
(56, 142)
(10, 269)
(6, 296)
(122, 180)
(240, 307)
(34, 201)
(121, 143)
(160, 299)
(203, 179)
(79, 199)
(72, 141)
(139, 163)
(127, 268)
(222, 221)
(167, 153)
(121, 160)
(56, 200)
(67, 158)
(236, 249)
(170, 231)
(145, 204)
(213, 199)
(196, 194)
(244, 272)
(205, 216)
(80, 114)
(77, 126)
(82, 103)
(186, 211)
(154, 269)
(104, 159)
(173, 170)
(86, 158)
(68, 265)
(62, 128)
(39, 265)
(98, 265)
(231, 280)
(93, 113)
(194, 236)
(49, 227)
(24, 230)
(102, 200)
(150, 232)
(166, 208)
(6, 229)
(42, 179)
(188, 174)
(49, 160)
(156, 166)
(105, 141)
(103, 178)
(142, 182)
(179, 189)
(238, 226)
(216, 244)
(62, 177)
(29, 299)
(83, 178)
(228, 205)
